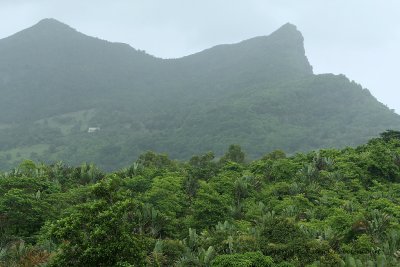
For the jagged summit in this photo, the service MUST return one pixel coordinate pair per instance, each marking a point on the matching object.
(288, 33)
(288, 27)
(284, 47)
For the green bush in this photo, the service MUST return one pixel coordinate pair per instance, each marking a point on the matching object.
(250, 259)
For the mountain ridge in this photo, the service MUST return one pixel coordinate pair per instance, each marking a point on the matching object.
(46, 24)
(260, 93)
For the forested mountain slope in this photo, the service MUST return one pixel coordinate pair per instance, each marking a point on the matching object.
(261, 93)
(323, 208)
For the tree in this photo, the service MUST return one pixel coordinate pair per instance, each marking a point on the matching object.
(390, 134)
(101, 232)
(209, 207)
(96, 234)
(23, 214)
(166, 195)
(234, 154)
(25, 204)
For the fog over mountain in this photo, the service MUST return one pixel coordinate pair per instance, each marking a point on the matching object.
(358, 39)
(260, 93)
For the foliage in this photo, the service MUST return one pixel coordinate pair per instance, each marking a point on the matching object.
(323, 208)
(250, 259)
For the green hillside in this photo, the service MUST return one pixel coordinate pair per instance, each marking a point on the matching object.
(326, 208)
(261, 93)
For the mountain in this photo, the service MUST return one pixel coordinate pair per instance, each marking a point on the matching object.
(261, 93)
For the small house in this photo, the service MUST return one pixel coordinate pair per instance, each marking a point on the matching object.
(93, 129)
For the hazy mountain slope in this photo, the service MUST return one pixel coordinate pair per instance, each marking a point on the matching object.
(50, 69)
(277, 57)
(261, 93)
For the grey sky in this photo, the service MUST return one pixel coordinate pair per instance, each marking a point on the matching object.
(359, 38)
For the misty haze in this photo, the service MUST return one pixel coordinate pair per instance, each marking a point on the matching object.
(238, 153)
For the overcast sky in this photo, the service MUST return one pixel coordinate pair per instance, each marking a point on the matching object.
(359, 38)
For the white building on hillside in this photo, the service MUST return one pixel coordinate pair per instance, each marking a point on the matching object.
(93, 129)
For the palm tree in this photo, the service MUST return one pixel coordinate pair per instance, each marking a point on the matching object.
(378, 223)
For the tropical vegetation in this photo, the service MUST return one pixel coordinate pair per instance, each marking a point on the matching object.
(327, 207)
